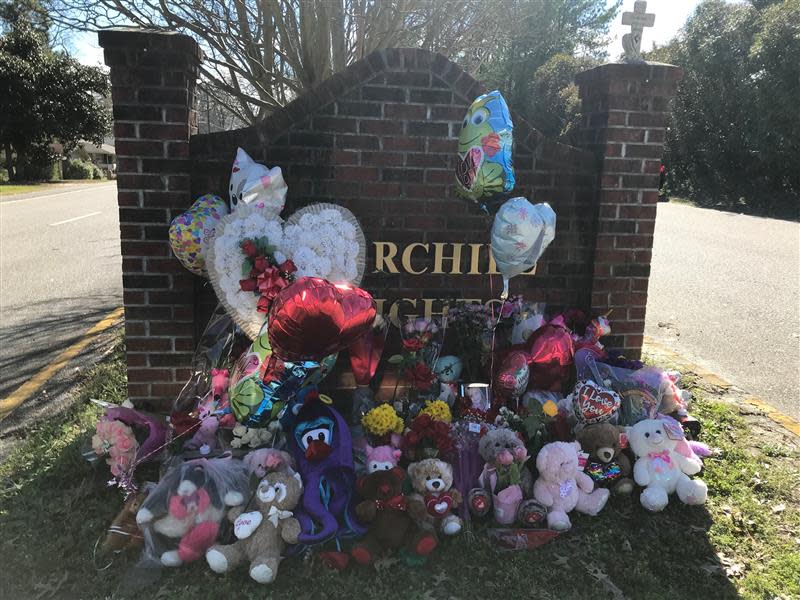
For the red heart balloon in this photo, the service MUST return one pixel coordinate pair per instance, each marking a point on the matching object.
(313, 318)
(512, 380)
(594, 403)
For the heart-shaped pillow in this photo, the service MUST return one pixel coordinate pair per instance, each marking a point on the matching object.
(594, 403)
(326, 242)
(246, 524)
(313, 318)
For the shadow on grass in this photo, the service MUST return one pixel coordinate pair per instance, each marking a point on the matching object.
(54, 506)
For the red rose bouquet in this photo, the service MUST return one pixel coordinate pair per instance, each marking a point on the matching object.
(427, 438)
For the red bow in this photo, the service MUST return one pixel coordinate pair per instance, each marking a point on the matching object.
(265, 279)
(396, 503)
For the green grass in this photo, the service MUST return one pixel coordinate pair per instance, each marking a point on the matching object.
(53, 507)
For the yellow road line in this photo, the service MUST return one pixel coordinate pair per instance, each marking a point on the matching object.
(35, 383)
(770, 411)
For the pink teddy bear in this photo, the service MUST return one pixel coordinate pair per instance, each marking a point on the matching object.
(562, 486)
(269, 460)
(205, 437)
(381, 458)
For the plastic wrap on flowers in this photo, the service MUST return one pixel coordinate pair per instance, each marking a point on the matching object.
(520, 234)
(152, 432)
(191, 231)
(468, 464)
(485, 166)
(253, 183)
(220, 343)
(185, 513)
(644, 392)
(527, 319)
(313, 318)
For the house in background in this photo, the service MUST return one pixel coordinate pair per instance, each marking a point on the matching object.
(104, 155)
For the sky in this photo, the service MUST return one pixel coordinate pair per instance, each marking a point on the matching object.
(670, 17)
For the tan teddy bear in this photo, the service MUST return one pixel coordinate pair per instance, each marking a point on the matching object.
(434, 497)
(263, 533)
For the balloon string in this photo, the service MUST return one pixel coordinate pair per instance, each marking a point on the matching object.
(494, 334)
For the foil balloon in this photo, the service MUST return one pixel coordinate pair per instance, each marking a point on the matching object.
(251, 359)
(448, 369)
(253, 183)
(326, 365)
(593, 403)
(512, 379)
(520, 234)
(366, 352)
(550, 356)
(258, 398)
(484, 149)
(190, 232)
(313, 318)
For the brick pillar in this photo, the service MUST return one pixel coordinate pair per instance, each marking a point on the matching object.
(153, 77)
(625, 109)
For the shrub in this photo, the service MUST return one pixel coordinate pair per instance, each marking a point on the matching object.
(97, 172)
(38, 171)
(78, 169)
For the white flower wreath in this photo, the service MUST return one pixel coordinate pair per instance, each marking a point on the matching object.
(323, 240)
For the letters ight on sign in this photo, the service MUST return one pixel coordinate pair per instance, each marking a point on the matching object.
(461, 266)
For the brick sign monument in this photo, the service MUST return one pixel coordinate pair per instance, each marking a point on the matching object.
(380, 138)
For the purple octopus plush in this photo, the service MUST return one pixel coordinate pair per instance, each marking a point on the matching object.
(321, 445)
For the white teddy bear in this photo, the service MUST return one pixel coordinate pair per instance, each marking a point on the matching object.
(664, 462)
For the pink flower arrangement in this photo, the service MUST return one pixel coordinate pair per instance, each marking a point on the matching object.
(117, 441)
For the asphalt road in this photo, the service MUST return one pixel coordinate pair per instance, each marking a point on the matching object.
(725, 293)
(60, 273)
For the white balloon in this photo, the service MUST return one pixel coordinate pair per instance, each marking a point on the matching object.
(253, 183)
(520, 234)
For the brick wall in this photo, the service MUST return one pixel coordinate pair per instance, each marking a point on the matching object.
(625, 110)
(153, 80)
(379, 138)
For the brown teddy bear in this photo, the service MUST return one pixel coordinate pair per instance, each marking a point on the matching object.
(123, 533)
(262, 534)
(390, 526)
(434, 497)
(608, 465)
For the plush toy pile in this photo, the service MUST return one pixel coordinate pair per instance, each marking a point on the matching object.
(504, 420)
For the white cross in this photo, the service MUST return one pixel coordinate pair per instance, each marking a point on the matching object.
(638, 20)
